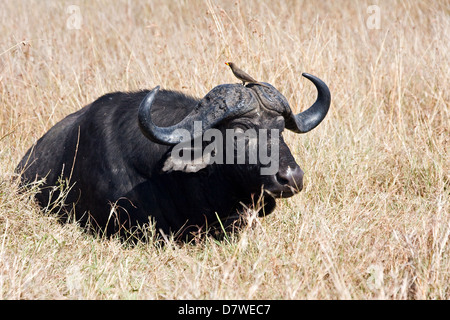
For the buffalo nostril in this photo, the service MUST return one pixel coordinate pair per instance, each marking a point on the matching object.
(291, 177)
(281, 180)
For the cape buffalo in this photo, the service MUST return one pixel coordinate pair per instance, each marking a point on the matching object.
(116, 158)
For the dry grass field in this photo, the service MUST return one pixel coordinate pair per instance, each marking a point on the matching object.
(373, 220)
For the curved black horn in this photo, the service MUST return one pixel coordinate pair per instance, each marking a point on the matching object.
(310, 118)
(222, 102)
(148, 128)
(162, 135)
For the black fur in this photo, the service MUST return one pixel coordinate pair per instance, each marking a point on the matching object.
(101, 153)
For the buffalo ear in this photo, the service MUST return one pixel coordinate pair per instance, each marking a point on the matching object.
(188, 166)
(183, 157)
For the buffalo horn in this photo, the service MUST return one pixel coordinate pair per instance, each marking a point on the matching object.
(221, 103)
(310, 118)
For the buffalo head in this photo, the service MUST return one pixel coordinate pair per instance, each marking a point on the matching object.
(261, 110)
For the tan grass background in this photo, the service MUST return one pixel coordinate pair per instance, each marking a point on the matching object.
(373, 220)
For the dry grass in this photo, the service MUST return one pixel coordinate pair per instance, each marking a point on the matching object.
(373, 221)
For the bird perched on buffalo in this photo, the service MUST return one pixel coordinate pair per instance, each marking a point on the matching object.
(242, 75)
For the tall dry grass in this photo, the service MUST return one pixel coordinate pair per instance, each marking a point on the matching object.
(373, 220)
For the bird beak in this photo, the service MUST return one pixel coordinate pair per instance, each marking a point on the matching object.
(227, 63)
